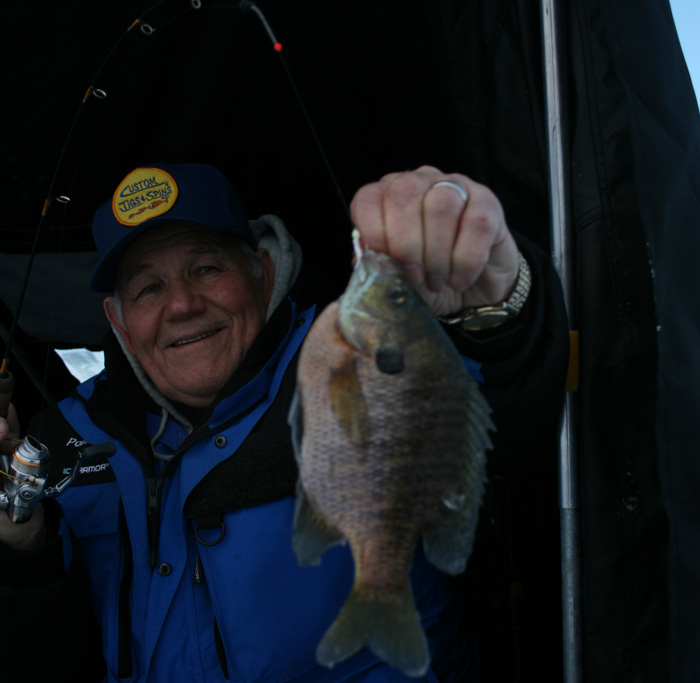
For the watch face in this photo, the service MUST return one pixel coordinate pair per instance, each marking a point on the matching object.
(485, 318)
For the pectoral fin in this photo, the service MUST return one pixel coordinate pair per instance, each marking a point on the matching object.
(348, 402)
(295, 419)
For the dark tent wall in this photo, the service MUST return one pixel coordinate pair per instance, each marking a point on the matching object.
(188, 84)
(457, 84)
(664, 138)
(207, 85)
(624, 526)
(375, 79)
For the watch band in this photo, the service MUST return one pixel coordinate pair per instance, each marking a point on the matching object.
(485, 317)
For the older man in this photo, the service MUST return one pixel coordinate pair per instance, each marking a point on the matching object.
(179, 544)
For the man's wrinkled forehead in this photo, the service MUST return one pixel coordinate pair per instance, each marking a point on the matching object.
(171, 236)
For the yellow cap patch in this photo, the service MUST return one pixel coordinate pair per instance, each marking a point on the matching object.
(145, 193)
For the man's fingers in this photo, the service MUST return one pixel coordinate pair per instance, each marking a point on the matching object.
(9, 430)
(367, 215)
(12, 420)
(403, 223)
(443, 206)
(448, 231)
(27, 536)
(482, 226)
(388, 215)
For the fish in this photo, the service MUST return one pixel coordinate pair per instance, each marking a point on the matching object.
(390, 435)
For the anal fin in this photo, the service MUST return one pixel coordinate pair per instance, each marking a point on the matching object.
(311, 535)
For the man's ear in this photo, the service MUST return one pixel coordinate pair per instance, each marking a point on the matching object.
(110, 309)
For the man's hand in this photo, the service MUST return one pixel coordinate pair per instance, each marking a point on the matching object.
(31, 534)
(457, 253)
(9, 431)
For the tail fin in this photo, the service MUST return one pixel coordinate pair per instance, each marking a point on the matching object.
(386, 623)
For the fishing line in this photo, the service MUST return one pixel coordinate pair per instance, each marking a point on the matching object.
(248, 5)
(146, 30)
(98, 93)
(6, 382)
(94, 92)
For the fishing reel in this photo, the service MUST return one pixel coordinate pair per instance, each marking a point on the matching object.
(23, 476)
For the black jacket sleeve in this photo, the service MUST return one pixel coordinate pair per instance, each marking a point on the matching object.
(513, 577)
(524, 363)
(44, 602)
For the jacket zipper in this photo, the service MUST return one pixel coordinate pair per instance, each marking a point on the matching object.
(124, 660)
(198, 579)
(155, 488)
(220, 651)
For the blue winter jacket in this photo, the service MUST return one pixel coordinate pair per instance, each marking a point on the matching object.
(187, 597)
(203, 586)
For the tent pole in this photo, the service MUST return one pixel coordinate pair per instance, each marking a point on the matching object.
(562, 246)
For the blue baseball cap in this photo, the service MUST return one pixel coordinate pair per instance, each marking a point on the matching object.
(163, 193)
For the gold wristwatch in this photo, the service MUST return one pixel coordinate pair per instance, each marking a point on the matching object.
(485, 317)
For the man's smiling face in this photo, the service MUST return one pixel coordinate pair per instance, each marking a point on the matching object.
(191, 308)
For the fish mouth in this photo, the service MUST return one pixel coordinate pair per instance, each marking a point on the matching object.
(196, 338)
(361, 269)
(366, 265)
(375, 264)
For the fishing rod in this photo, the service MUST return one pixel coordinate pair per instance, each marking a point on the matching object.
(7, 381)
(23, 480)
(249, 6)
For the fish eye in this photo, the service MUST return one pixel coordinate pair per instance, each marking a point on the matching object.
(397, 295)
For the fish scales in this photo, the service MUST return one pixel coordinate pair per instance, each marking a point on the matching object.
(390, 433)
